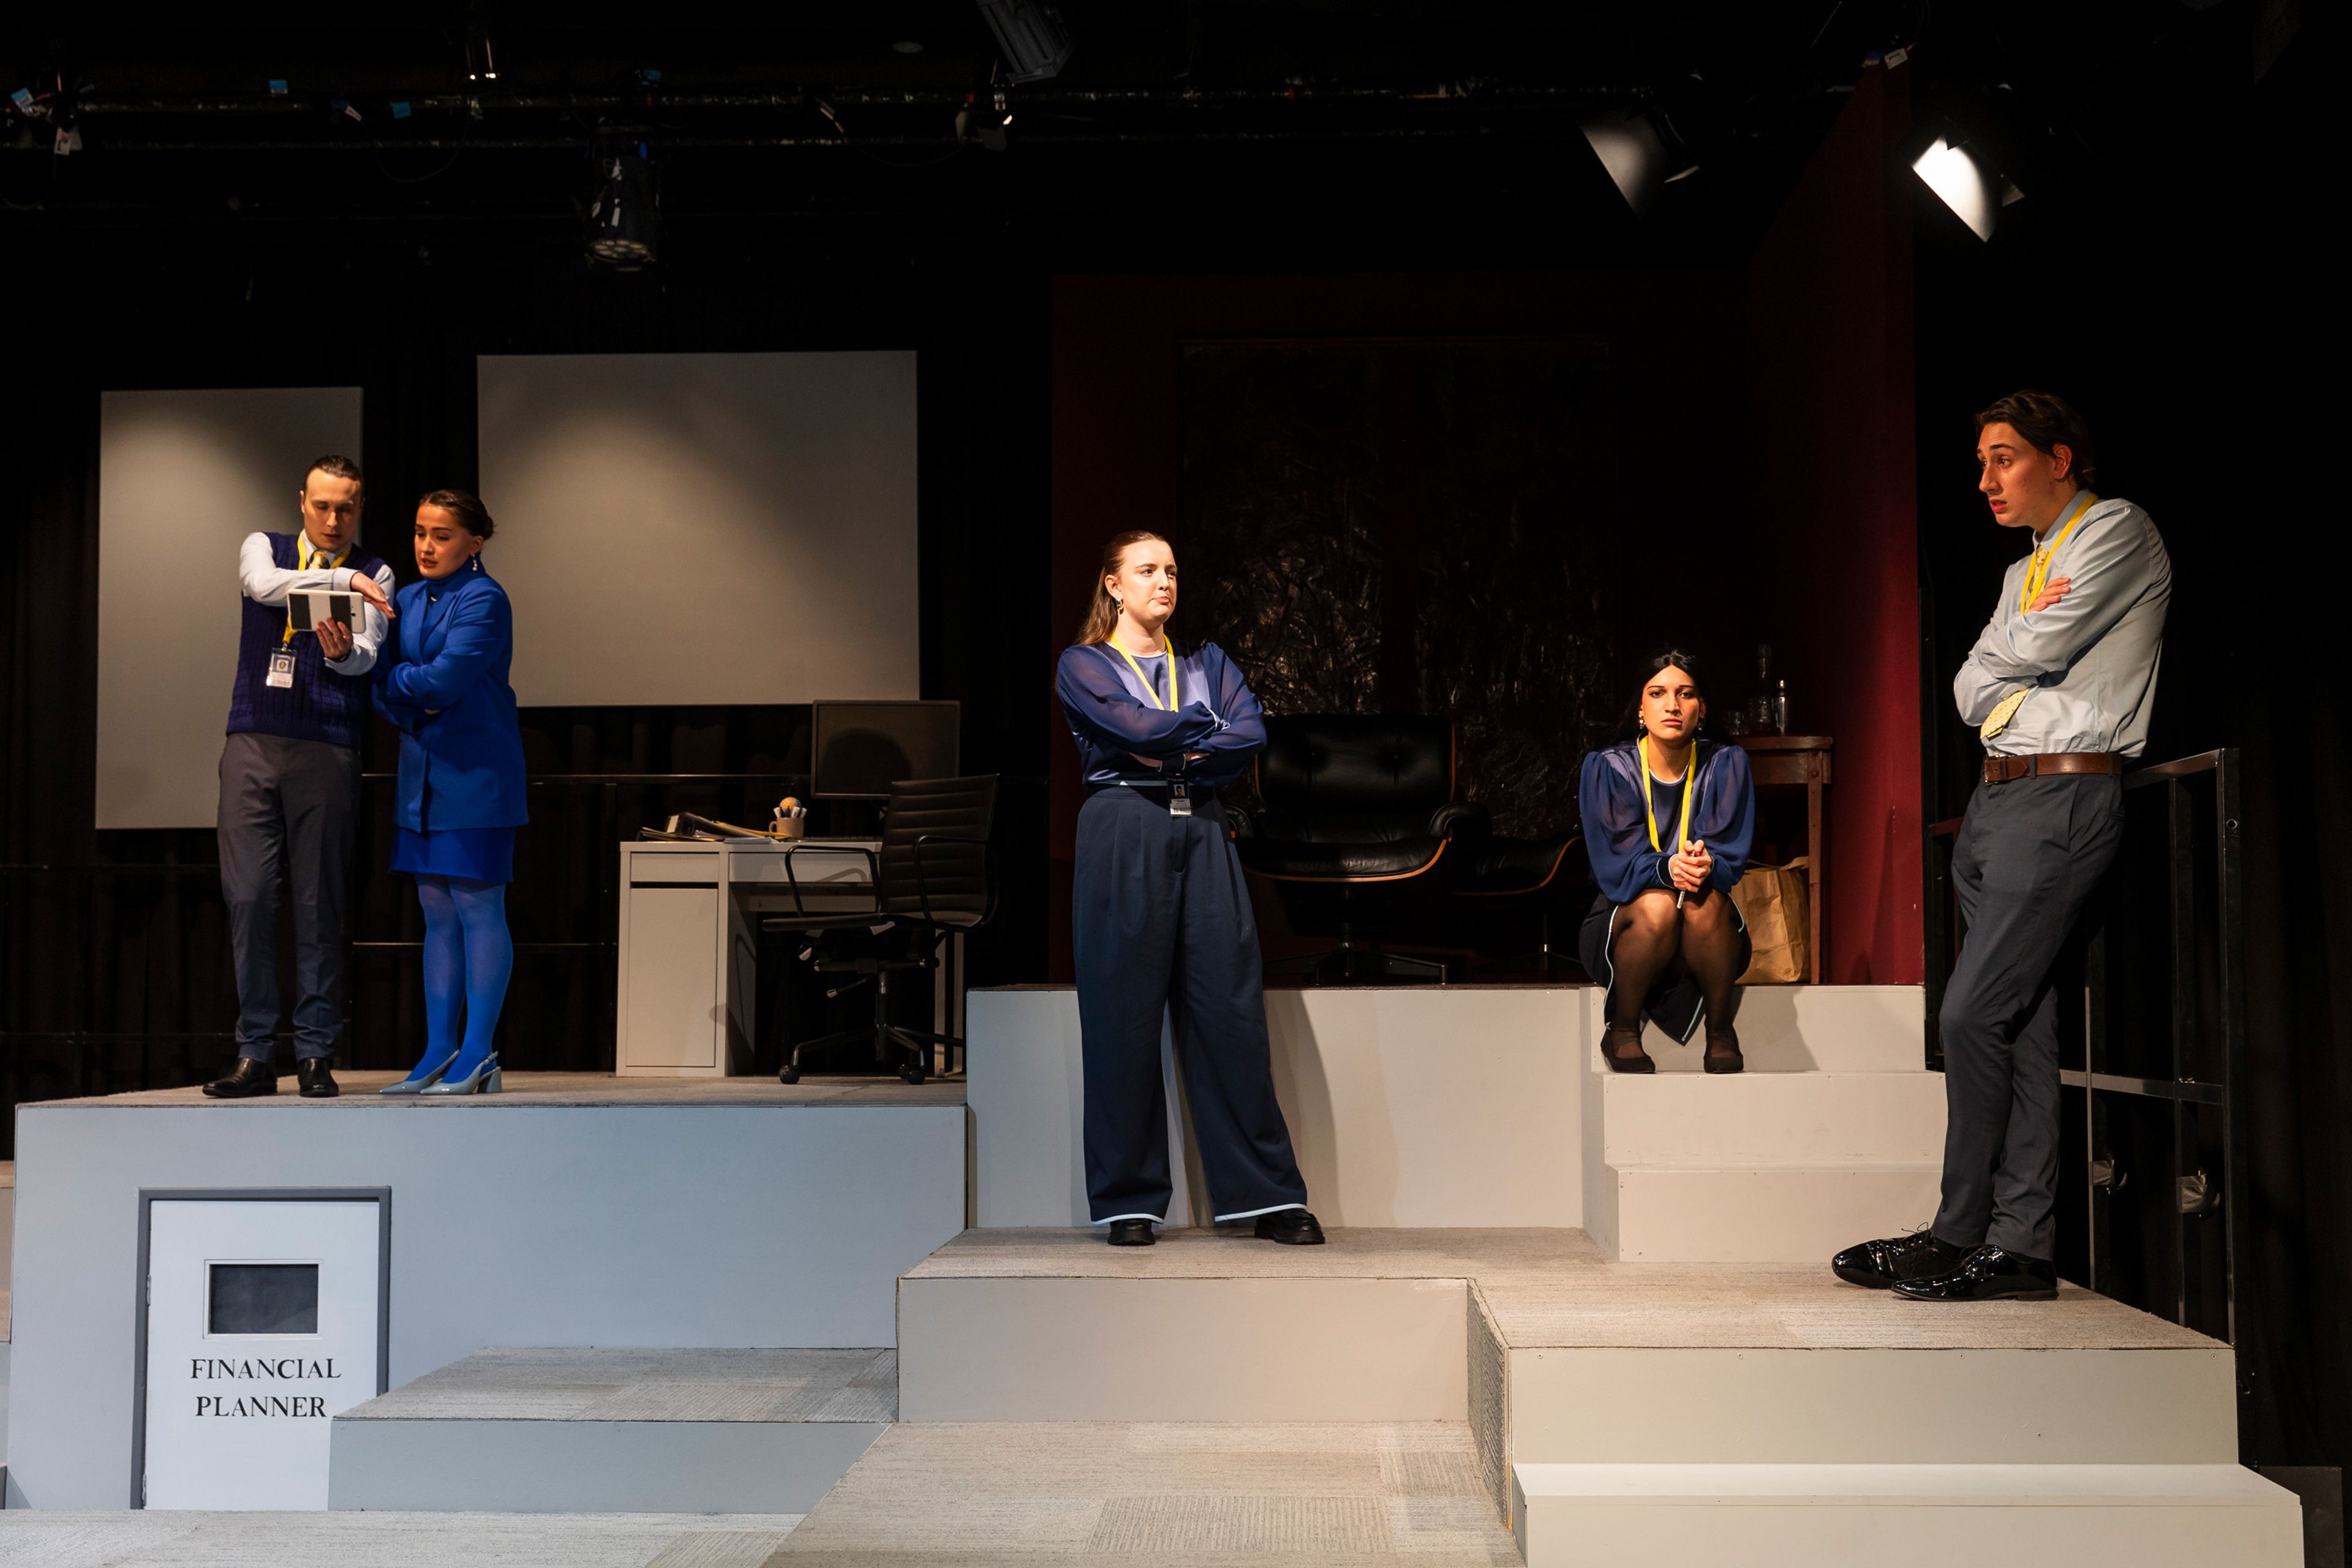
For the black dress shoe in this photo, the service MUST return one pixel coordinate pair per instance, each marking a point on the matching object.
(1131, 1233)
(251, 1077)
(1988, 1274)
(316, 1077)
(1875, 1265)
(1293, 1227)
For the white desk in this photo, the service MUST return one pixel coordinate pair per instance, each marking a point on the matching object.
(689, 943)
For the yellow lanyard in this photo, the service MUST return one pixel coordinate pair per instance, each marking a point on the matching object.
(1690, 788)
(1149, 690)
(303, 555)
(2037, 571)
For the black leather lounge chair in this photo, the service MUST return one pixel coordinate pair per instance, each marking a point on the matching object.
(1358, 813)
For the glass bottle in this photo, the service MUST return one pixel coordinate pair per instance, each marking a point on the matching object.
(1759, 709)
(1781, 706)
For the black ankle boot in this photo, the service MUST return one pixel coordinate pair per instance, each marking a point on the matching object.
(252, 1077)
(316, 1077)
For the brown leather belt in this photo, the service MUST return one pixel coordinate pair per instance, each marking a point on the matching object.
(2000, 769)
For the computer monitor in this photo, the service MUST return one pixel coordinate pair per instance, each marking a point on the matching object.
(856, 749)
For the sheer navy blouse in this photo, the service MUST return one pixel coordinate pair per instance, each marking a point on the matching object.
(1113, 721)
(1617, 832)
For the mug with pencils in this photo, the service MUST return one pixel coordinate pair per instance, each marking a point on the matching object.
(791, 818)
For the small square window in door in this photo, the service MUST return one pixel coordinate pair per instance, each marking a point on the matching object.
(262, 1298)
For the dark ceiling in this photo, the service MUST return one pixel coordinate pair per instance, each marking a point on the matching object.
(1203, 133)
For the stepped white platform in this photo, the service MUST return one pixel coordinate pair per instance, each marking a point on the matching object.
(1561, 1360)
(584, 1430)
(572, 1210)
(1489, 1105)
(1835, 1132)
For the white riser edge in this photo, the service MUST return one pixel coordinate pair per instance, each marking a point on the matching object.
(1804, 1028)
(1331, 1349)
(1813, 1118)
(1933, 1517)
(1594, 1404)
(1764, 1213)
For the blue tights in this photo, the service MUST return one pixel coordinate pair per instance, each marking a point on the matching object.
(467, 957)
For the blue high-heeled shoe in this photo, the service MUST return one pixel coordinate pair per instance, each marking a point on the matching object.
(423, 1079)
(485, 1079)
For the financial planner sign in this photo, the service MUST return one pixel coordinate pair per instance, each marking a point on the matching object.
(283, 1371)
(264, 1322)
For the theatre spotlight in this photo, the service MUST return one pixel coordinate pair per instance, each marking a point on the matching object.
(1966, 182)
(481, 61)
(624, 219)
(1638, 149)
(1030, 36)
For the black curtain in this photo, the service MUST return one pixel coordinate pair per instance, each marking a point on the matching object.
(2177, 299)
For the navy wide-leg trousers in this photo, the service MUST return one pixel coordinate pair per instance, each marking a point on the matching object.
(1161, 923)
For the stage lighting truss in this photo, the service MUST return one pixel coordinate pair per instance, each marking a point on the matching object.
(1030, 36)
(1966, 181)
(624, 216)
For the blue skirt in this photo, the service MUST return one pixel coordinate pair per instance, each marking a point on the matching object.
(477, 853)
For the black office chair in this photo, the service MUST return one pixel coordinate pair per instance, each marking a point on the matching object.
(933, 878)
(1358, 813)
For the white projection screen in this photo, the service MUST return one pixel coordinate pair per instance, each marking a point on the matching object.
(183, 477)
(704, 529)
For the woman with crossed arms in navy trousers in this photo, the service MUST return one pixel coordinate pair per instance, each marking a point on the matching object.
(1160, 915)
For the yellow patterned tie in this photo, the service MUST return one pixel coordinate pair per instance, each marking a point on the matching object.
(2003, 712)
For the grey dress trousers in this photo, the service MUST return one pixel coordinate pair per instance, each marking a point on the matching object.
(2030, 857)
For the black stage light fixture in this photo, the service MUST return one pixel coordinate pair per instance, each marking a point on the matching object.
(1641, 152)
(1030, 36)
(623, 219)
(1966, 180)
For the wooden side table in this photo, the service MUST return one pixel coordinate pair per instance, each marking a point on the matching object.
(1789, 762)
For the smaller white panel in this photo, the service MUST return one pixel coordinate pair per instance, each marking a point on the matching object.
(670, 993)
(262, 1326)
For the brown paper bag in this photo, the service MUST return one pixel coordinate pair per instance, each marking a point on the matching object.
(1771, 899)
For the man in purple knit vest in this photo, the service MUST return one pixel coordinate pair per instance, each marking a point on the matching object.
(290, 775)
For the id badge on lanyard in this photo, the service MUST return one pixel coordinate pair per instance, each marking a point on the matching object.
(1180, 800)
(281, 668)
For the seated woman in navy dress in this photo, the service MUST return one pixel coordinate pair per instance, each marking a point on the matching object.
(443, 682)
(1668, 816)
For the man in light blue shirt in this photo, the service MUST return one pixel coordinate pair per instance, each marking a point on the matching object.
(2060, 685)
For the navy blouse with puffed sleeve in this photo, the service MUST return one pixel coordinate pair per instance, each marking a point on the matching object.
(1113, 721)
(1617, 831)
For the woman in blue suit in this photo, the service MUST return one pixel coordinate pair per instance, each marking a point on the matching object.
(442, 681)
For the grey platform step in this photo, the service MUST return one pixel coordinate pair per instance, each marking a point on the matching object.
(602, 1430)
